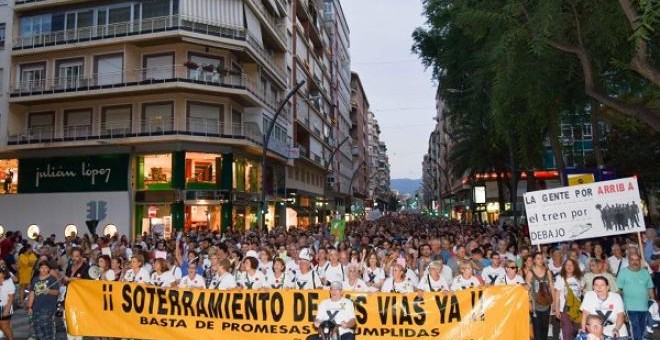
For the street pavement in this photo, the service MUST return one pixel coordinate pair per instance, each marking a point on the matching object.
(23, 330)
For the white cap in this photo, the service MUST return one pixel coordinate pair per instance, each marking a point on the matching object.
(305, 255)
(252, 253)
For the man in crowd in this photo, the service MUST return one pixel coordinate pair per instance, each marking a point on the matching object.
(637, 288)
(495, 270)
(617, 261)
(337, 310)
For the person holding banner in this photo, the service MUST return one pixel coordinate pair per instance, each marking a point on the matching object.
(223, 279)
(137, 272)
(277, 277)
(511, 276)
(337, 310)
(193, 280)
(398, 283)
(252, 278)
(433, 280)
(354, 283)
(609, 306)
(466, 278)
(306, 278)
(42, 302)
(162, 276)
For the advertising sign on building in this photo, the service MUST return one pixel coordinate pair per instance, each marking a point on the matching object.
(73, 174)
(584, 211)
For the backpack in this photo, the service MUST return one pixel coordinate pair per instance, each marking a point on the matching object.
(543, 295)
(572, 305)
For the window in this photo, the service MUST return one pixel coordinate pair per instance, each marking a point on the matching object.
(201, 170)
(33, 77)
(35, 25)
(237, 123)
(116, 120)
(205, 118)
(153, 9)
(70, 74)
(157, 117)
(159, 66)
(77, 123)
(3, 28)
(586, 130)
(41, 125)
(109, 69)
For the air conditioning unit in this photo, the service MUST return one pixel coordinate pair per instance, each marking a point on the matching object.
(330, 180)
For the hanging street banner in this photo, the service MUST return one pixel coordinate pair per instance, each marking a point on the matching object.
(584, 211)
(129, 310)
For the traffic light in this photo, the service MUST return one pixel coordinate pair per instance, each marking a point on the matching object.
(102, 211)
(91, 210)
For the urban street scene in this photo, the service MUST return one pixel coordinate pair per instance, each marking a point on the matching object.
(329, 169)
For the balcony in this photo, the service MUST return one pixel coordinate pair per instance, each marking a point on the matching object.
(277, 26)
(147, 129)
(137, 30)
(141, 79)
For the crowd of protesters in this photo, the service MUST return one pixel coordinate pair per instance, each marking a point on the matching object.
(611, 278)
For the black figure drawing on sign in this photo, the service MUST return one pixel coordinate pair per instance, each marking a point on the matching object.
(619, 216)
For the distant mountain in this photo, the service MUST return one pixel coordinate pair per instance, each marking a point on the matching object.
(405, 185)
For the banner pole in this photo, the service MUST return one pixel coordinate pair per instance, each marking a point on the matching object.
(641, 248)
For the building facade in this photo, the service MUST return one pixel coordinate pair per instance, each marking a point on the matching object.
(359, 135)
(152, 111)
(378, 186)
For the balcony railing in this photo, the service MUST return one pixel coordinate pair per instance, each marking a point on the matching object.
(161, 126)
(278, 26)
(140, 77)
(146, 26)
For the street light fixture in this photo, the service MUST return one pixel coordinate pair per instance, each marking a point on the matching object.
(327, 170)
(266, 138)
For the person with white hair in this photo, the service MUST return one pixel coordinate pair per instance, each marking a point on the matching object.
(433, 281)
(306, 278)
(353, 282)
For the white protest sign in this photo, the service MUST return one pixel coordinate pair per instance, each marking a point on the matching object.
(584, 211)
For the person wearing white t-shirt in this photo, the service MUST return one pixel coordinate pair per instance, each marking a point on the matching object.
(511, 276)
(137, 273)
(7, 292)
(555, 263)
(466, 279)
(278, 277)
(253, 278)
(569, 278)
(607, 305)
(398, 283)
(337, 310)
(495, 270)
(162, 276)
(617, 261)
(433, 281)
(353, 282)
(333, 271)
(373, 274)
(306, 278)
(223, 279)
(192, 280)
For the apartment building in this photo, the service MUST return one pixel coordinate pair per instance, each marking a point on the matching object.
(359, 131)
(379, 175)
(148, 115)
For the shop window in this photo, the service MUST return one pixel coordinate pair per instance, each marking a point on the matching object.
(157, 219)
(156, 171)
(9, 175)
(202, 170)
(246, 175)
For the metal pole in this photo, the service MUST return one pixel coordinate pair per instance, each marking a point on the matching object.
(266, 138)
(327, 168)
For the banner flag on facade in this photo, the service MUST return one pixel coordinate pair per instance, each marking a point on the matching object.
(584, 211)
(129, 310)
(338, 229)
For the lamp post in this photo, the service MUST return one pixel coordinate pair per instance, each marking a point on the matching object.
(327, 170)
(266, 138)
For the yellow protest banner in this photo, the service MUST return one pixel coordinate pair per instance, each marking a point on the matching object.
(127, 310)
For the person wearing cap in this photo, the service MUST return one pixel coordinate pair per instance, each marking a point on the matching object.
(337, 309)
(42, 302)
(306, 278)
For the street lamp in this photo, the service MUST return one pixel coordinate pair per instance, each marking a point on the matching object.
(264, 148)
(327, 169)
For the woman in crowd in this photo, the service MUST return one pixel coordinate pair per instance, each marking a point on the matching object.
(569, 278)
(116, 271)
(26, 261)
(277, 277)
(510, 276)
(104, 265)
(137, 273)
(252, 278)
(162, 276)
(466, 279)
(601, 301)
(539, 280)
(373, 275)
(265, 262)
(353, 282)
(398, 283)
(223, 278)
(7, 291)
(598, 253)
(433, 280)
(193, 280)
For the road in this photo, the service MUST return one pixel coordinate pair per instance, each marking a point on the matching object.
(23, 330)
